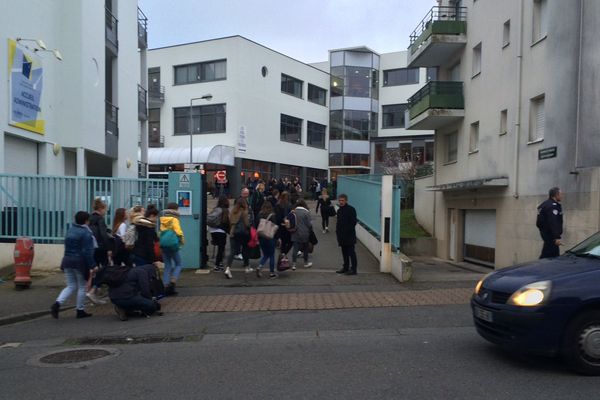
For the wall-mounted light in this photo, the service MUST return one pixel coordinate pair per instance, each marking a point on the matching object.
(56, 149)
(128, 163)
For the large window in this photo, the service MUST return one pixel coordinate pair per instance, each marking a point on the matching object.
(400, 76)
(206, 119)
(317, 94)
(291, 85)
(358, 82)
(315, 134)
(393, 116)
(451, 147)
(356, 125)
(336, 125)
(201, 72)
(537, 120)
(291, 129)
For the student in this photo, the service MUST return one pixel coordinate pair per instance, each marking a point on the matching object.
(301, 233)
(219, 232)
(171, 257)
(134, 294)
(143, 250)
(325, 203)
(103, 251)
(267, 245)
(119, 228)
(239, 234)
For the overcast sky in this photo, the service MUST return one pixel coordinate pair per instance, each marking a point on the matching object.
(303, 29)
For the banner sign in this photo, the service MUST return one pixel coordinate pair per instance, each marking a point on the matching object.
(25, 88)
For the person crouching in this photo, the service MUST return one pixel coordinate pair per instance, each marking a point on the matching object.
(134, 295)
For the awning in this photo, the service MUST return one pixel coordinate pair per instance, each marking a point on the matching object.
(217, 154)
(484, 183)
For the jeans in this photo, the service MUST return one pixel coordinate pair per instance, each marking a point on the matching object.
(136, 303)
(75, 282)
(299, 246)
(268, 248)
(101, 258)
(219, 239)
(237, 245)
(173, 266)
(325, 221)
(137, 260)
(349, 255)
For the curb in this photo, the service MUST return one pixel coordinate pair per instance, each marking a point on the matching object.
(12, 319)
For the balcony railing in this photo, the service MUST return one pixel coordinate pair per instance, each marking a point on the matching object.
(142, 103)
(112, 118)
(142, 29)
(156, 141)
(442, 20)
(111, 31)
(437, 94)
(156, 94)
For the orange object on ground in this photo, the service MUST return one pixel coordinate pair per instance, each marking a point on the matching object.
(23, 255)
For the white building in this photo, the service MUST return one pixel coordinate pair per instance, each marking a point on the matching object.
(82, 117)
(514, 113)
(258, 112)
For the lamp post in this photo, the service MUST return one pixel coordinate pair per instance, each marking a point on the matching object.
(206, 97)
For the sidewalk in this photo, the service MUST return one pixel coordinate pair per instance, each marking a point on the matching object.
(319, 287)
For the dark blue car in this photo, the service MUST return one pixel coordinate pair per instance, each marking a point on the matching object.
(549, 306)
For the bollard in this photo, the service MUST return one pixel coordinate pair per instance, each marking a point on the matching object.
(23, 255)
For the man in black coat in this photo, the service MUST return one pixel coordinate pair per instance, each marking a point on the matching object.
(134, 294)
(345, 230)
(550, 223)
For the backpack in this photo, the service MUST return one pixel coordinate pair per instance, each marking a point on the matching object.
(169, 240)
(115, 275)
(240, 229)
(290, 221)
(130, 237)
(213, 219)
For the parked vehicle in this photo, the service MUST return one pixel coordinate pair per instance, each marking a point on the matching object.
(549, 306)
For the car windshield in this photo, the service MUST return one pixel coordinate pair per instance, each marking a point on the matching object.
(589, 247)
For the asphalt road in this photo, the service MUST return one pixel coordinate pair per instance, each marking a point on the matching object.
(428, 352)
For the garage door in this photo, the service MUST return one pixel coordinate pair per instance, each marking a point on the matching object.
(480, 236)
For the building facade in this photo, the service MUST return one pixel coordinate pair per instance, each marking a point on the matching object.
(513, 111)
(80, 110)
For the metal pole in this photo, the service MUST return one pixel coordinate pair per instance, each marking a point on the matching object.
(207, 97)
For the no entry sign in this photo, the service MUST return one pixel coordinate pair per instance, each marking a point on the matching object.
(221, 176)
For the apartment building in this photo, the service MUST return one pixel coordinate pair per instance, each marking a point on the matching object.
(75, 94)
(514, 114)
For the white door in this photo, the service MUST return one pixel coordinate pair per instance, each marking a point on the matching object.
(480, 236)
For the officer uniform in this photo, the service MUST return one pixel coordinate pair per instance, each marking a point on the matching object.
(550, 224)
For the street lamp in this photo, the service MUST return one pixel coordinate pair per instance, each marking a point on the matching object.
(206, 97)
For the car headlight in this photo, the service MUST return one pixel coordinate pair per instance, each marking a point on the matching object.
(480, 283)
(531, 295)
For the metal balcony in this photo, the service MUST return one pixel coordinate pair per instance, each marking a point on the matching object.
(142, 29)
(156, 96)
(156, 141)
(142, 103)
(438, 37)
(435, 105)
(112, 130)
(112, 37)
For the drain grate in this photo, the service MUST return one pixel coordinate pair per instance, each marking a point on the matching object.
(74, 356)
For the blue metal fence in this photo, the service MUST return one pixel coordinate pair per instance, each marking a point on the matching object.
(42, 207)
(364, 194)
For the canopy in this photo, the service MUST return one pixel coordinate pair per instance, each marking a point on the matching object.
(217, 154)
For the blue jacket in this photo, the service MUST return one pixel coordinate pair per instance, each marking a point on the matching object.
(79, 249)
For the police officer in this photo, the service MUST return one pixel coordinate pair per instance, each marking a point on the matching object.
(550, 223)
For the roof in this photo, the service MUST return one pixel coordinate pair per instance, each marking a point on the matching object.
(217, 154)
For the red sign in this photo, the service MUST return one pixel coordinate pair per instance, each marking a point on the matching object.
(221, 176)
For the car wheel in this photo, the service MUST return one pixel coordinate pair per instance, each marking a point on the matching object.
(581, 347)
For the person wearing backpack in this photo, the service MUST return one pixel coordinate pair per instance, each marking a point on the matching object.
(301, 233)
(145, 228)
(239, 234)
(103, 252)
(550, 223)
(218, 226)
(171, 239)
(267, 244)
(134, 293)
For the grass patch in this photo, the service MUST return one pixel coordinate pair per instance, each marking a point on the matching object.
(409, 227)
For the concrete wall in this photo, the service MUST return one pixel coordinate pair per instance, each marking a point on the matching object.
(425, 203)
(47, 256)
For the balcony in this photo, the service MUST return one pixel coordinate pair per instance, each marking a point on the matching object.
(112, 130)
(156, 141)
(112, 41)
(142, 30)
(435, 105)
(438, 37)
(156, 96)
(142, 103)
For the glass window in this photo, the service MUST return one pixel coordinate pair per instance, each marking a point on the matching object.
(400, 76)
(201, 72)
(380, 149)
(451, 147)
(537, 118)
(356, 125)
(317, 94)
(336, 125)
(405, 152)
(503, 122)
(315, 134)
(432, 74)
(206, 119)
(393, 116)
(540, 19)
(358, 82)
(291, 129)
(337, 81)
(429, 151)
(474, 137)
(506, 34)
(335, 159)
(375, 84)
(291, 85)
(477, 60)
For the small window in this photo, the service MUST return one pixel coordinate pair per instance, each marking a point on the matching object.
(451, 147)
(317, 95)
(432, 74)
(401, 76)
(291, 129)
(503, 122)
(393, 116)
(474, 138)
(506, 34)
(476, 60)
(537, 118)
(315, 134)
(201, 72)
(264, 71)
(540, 20)
(291, 85)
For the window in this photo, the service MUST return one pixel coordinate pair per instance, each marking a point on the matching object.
(291, 129)
(432, 73)
(537, 119)
(315, 134)
(400, 76)
(357, 125)
(206, 119)
(201, 72)
(429, 151)
(476, 60)
(317, 94)
(474, 138)
(503, 121)
(506, 34)
(451, 147)
(291, 85)
(336, 125)
(393, 116)
(540, 20)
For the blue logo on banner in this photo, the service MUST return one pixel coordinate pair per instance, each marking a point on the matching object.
(27, 64)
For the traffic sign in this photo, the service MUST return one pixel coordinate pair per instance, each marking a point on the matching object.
(221, 175)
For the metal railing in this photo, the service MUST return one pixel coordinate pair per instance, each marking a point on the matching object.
(142, 21)
(156, 93)
(112, 118)
(438, 13)
(111, 28)
(438, 94)
(42, 207)
(152, 142)
(142, 103)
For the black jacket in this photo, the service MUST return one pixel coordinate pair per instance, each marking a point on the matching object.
(345, 228)
(550, 219)
(100, 231)
(324, 205)
(144, 245)
(137, 282)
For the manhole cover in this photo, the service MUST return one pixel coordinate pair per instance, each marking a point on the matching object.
(73, 358)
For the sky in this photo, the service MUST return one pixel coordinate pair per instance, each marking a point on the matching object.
(302, 29)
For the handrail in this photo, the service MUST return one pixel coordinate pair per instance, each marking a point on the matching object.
(438, 13)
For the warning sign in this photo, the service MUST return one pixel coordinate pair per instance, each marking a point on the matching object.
(184, 181)
(221, 176)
